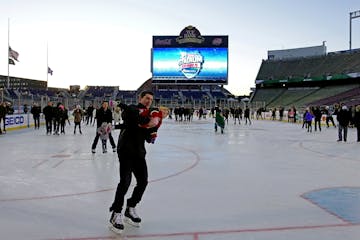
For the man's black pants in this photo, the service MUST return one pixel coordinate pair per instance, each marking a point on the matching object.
(48, 123)
(130, 165)
(37, 122)
(317, 123)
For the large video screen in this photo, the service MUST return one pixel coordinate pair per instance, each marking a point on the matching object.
(190, 65)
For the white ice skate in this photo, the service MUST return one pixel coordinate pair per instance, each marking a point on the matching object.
(131, 217)
(116, 223)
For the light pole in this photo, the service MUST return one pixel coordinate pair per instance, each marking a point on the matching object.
(353, 15)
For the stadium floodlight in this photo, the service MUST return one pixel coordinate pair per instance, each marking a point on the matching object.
(353, 15)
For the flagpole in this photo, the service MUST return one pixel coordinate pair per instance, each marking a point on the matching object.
(8, 76)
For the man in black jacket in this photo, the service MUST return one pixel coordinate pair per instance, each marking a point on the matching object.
(318, 114)
(35, 111)
(48, 113)
(131, 153)
(89, 114)
(104, 114)
(343, 117)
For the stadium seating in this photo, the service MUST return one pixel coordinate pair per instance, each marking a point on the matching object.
(290, 97)
(344, 97)
(218, 94)
(99, 91)
(267, 95)
(12, 94)
(194, 95)
(325, 92)
(124, 94)
(308, 80)
(312, 67)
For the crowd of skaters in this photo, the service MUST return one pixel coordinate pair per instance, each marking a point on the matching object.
(338, 116)
(237, 114)
(57, 116)
(346, 117)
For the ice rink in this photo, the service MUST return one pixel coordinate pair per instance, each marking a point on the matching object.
(269, 180)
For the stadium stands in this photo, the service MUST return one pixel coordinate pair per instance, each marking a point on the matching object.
(308, 80)
(100, 91)
(125, 94)
(267, 95)
(346, 97)
(325, 92)
(317, 68)
(12, 94)
(194, 95)
(290, 97)
(218, 95)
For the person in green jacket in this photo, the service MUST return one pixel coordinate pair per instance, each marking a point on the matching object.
(219, 121)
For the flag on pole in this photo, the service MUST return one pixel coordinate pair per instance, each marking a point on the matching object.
(50, 71)
(13, 54)
(11, 61)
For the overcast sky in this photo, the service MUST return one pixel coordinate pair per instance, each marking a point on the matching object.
(108, 42)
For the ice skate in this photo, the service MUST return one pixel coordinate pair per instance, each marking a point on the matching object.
(116, 223)
(131, 217)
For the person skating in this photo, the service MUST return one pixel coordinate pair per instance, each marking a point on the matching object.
(89, 114)
(104, 114)
(63, 117)
(281, 113)
(48, 112)
(237, 115)
(225, 114)
(131, 153)
(104, 131)
(304, 119)
(247, 115)
(35, 111)
(117, 115)
(308, 120)
(219, 121)
(56, 118)
(343, 117)
(317, 114)
(329, 116)
(78, 114)
(273, 114)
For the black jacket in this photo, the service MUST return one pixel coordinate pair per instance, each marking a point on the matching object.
(89, 111)
(2, 111)
(48, 112)
(35, 111)
(103, 115)
(132, 137)
(247, 113)
(317, 114)
(357, 119)
(343, 117)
